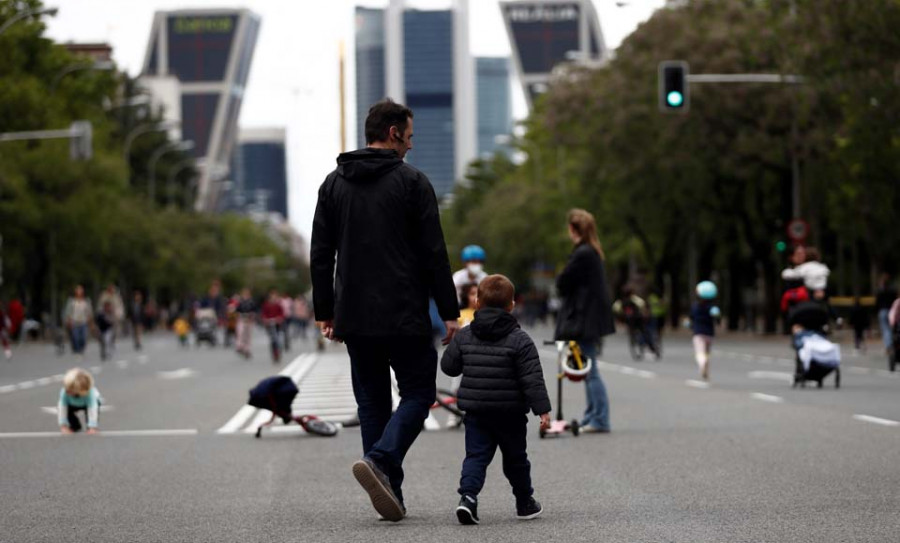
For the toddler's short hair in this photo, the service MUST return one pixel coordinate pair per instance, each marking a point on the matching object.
(78, 382)
(496, 291)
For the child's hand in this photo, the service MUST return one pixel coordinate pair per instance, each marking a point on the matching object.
(92, 431)
(545, 421)
(65, 429)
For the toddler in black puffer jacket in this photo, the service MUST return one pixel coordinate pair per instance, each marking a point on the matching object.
(501, 381)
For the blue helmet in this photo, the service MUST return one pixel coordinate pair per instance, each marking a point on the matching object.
(707, 290)
(473, 252)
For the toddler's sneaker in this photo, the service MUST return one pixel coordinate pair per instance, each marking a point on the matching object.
(467, 510)
(528, 509)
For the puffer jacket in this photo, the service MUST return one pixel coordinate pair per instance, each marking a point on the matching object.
(500, 367)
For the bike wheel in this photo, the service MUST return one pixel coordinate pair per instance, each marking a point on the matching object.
(319, 427)
(446, 399)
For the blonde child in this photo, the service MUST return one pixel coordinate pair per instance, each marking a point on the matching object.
(78, 394)
(182, 328)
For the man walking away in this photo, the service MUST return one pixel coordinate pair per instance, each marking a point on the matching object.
(379, 216)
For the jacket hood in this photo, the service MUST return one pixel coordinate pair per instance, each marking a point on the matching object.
(491, 324)
(367, 164)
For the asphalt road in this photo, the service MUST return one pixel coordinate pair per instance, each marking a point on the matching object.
(746, 459)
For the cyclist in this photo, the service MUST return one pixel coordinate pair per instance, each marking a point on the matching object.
(634, 312)
(473, 257)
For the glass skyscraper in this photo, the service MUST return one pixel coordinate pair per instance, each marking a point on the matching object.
(494, 100)
(259, 172)
(426, 60)
(209, 51)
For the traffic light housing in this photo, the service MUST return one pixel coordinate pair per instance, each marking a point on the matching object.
(674, 90)
(81, 145)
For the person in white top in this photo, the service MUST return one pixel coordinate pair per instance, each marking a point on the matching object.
(813, 273)
(473, 257)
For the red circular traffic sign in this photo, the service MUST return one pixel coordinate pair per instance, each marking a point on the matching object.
(798, 230)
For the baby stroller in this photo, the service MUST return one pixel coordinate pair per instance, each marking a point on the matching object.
(277, 395)
(206, 326)
(816, 357)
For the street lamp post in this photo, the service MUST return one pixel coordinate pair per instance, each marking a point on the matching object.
(103, 65)
(174, 146)
(27, 13)
(173, 173)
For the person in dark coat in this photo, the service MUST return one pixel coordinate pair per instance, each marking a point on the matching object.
(377, 254)
(586, 312)
(502, 380)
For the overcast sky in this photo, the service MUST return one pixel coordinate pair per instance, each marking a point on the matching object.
(294, 78)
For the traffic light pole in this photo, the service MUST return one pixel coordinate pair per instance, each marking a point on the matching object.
(766, 78)
(80, 132)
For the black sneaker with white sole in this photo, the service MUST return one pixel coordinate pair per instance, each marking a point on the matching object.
(467, 510)
(528, 509)
(378, 487)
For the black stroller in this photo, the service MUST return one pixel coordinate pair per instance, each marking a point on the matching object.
(813, 316)
(277, 395)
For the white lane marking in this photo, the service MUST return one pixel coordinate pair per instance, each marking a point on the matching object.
(108, 433)
(696, 384)
(771, 375)
(122, 364)
(59, 377)
(858, 371)
(766, 397)
(876, 420)
(8, 388)
(44, 381)
(766, 359)
(53, 410)
(26, 385)
(95, 369)
(183, 373)
(143, 359)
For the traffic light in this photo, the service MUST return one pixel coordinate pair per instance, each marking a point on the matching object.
(81, 140)
(674, 90)
(780, 246)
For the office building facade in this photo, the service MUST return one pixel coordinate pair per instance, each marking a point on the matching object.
(421, 58)
(209, 52)
(546, 33)
(493, 96)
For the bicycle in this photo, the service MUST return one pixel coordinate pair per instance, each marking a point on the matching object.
(447, 399)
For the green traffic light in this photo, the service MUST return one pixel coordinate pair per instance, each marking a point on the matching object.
(675, 99)
(780, 246)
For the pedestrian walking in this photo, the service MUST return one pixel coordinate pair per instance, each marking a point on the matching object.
(5, 325)
(859, 320)
(502, 380)
(287, 308)
(111, 296)
(302, 315)
(78, 316)
(246, 312)
(378, 252)
(106, 329)
(884, 297)
(703, 324)
(586, 315)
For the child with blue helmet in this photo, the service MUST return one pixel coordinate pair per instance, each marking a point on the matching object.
(704, 314)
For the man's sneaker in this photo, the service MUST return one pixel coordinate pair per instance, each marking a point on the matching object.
(377, 485)
(529, 509)
(467, 510)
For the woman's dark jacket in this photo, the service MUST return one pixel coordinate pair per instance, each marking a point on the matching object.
(586, 311)
(500, 367)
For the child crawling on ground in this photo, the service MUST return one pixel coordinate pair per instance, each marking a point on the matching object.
(78, 394)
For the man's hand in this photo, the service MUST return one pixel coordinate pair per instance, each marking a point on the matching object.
(65, 429)
(545, 421)
(452, 329)
(327, 328)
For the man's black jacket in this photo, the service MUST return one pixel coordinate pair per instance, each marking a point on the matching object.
(500, 367)
(379, 217)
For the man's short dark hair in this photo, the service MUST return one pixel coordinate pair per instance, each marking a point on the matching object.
(496, 291)
(382, 116)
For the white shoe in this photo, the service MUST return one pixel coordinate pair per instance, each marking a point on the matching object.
(8, 353)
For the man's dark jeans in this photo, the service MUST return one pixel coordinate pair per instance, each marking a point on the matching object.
(386, 437)
(484, 433)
